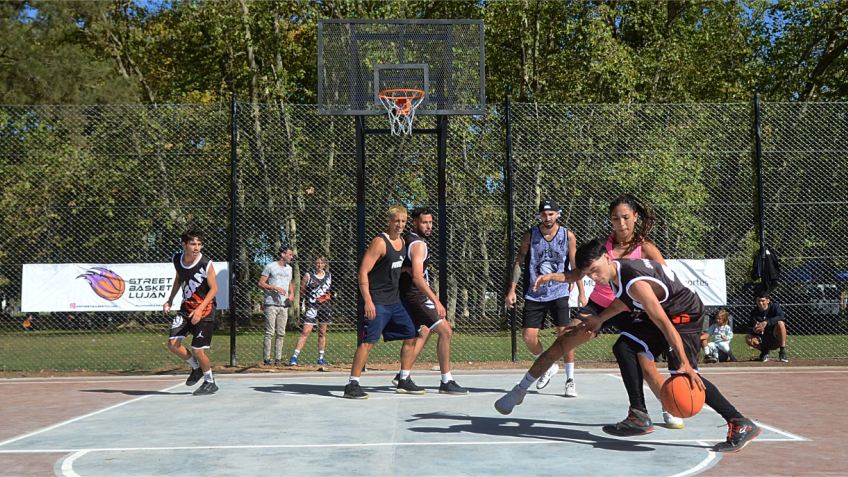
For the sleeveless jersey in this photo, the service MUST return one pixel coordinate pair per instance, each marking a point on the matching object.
(602, 294)
(546, 257)
(682, 306)
(406, 283)
(318, 289)
(383, 278)
(194, 285)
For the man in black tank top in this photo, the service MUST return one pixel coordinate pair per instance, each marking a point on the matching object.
(196, 278)
(379, 274)
(672, 318)
(423, 305)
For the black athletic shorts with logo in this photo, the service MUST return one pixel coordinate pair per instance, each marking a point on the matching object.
(421, 309)
(535, 312)
(646, 334)
(201, 333)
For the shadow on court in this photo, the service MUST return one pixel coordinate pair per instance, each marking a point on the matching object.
(134, 392)
(337, 390)
(557, 431)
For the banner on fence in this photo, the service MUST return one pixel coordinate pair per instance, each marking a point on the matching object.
(106, 287)
(705, 277)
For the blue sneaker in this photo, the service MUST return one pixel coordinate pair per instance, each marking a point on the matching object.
(321, 362)
(293, 361)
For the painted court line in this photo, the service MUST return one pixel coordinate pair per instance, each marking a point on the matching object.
(68, 464)
(711, 456)
(69, 421)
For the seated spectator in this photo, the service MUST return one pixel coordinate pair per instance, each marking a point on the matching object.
(722, 333)
(767, 330)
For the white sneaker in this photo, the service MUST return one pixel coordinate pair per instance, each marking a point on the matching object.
(546, 378)
(508, 401)
(570, 388)
(672, 422)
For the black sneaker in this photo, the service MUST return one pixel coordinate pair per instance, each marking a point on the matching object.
(267, 362)
(406, 386)
(451, 387)
(783, 358)
(741, 431)
(194, 377)
(396, 379)
(764, 357)
(206, 388)
(637, 423)
(279, 362)
(354, 391)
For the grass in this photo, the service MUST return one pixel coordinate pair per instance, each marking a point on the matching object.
(129, 351)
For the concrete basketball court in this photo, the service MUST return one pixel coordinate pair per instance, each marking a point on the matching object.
(298, 424)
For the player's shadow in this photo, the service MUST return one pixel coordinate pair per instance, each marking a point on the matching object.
(134, 392)
(537, 429)
(334, 391)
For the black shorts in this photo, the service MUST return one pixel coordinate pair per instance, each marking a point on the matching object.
(421, 309)
(614, 324)
(650, 337)
(767, 340)
(535, 312)
(201, 333)
(317, 314)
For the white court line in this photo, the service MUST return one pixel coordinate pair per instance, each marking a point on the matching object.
(792, 437)
(100, 381)
(366, 444)
(69, 421)
(711, 456)
(68, 464)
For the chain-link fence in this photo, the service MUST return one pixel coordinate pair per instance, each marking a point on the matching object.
(118, 184)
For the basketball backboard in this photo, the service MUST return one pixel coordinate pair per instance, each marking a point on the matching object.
(357, 59)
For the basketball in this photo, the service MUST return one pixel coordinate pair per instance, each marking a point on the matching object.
(680, 399)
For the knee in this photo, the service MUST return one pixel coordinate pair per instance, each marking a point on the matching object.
(530, 335)
(174, 345)
(445, 332)
(780, 326)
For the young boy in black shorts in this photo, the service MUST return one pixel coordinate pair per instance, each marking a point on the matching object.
(196, 278)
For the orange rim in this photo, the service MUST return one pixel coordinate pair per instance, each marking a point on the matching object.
(403, 104)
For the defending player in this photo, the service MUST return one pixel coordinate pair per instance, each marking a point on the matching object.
(379, 274)
(677, 316)
(315, 288)
(423, 305)
(196, 277)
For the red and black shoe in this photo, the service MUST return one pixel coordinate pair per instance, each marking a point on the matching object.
(637, 423)
(741, 431)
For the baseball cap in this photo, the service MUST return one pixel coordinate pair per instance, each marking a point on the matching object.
(547, 205)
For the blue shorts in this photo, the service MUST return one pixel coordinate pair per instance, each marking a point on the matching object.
(392, 321)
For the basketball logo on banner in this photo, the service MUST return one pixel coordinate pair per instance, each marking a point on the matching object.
(105, 283)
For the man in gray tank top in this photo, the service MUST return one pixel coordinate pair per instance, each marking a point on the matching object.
(379, 275)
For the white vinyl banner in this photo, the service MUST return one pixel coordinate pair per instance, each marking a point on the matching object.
(704, 277)
(107, 287)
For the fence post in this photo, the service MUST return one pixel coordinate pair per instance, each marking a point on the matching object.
(442, 147)
(758, 151)
(360, 220)
(510, 227)
(233, 215)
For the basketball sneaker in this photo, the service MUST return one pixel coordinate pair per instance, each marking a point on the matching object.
(570, 388)
(208, 387)
(546, 378)
(354, 391)
(293, 361)
(194, 377)
(406, 386)
(672, 422)
(321, 362)
(508, 401)
(451, 387)
(741, 431)
(783, 358)
(267, 362)
(637, 423)
(279, 362)
(764, 357)
(396, 379)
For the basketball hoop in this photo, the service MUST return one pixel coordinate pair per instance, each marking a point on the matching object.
(401, 105)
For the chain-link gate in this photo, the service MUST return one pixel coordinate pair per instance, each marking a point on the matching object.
(118, 184)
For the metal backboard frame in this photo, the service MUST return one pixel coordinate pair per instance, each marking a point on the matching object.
(351, 53)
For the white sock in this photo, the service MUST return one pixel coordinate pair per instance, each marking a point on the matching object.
(527, 381)
(537, 355)
(320, 354)
(354, 379)
(208, 376)
(193, 362)
(569, 371)
(296, 352)
(446, 377)
(404, 374)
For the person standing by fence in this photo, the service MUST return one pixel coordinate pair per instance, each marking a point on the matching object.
(315, 290)
(276, 281)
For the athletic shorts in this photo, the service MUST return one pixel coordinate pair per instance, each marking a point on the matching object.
(767, 340)
(317, 314)
(644, 332)
(201, 333)
(614, 324)
(392, 321)
(535, 312)
(421, 309)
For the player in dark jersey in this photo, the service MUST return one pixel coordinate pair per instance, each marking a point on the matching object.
(317, 311)
(196, 278)
(672, 318)
(379, 274)
(423, 305)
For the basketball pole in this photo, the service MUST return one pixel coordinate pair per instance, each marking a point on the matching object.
(233, 217)
(758, 151)
(510, 217)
